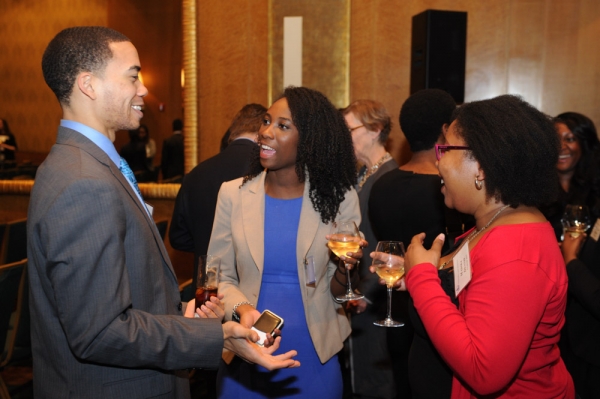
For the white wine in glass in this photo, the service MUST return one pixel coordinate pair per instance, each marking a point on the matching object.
(576, 220)
(346, 238)
(391, 271)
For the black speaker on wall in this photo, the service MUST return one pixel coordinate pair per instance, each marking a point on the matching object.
(438, 52)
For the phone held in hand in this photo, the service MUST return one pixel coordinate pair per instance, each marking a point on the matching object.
(267, 323)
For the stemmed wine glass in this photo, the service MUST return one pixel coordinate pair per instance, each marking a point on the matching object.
(345, 239)
(576, 220)
(390, 270)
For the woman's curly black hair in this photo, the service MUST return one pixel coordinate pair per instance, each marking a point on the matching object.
(325, 150)
(516, 146)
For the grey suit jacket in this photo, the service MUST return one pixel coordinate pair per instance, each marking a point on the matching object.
(238, 238)
(106, 316)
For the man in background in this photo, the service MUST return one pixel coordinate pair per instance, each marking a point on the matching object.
(172, 154)
(106, 317)
(196, 201)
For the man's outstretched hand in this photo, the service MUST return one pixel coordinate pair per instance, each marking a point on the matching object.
(241, 341)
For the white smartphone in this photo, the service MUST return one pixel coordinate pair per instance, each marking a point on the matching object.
(267, 323)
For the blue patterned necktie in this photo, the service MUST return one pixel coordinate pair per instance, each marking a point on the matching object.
(128, 173)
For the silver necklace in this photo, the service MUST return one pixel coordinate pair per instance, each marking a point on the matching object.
(475, 234)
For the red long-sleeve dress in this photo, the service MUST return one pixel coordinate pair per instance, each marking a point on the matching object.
(503, 338)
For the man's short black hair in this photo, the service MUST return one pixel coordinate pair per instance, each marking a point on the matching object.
(76, 50)
(177, 125)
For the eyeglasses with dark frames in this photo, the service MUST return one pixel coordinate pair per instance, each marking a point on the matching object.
(354, 128)
(440, 149)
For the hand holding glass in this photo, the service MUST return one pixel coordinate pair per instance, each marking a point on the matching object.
(576, 220)
(345, 239)
(391, 271)
(208, 278)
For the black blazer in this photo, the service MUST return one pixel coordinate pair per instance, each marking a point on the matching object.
(582, 326)
(196, 201)
(172, 156)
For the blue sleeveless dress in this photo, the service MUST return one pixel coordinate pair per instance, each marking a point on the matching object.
(280, 293)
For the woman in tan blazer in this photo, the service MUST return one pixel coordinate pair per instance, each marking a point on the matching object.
(270, 231)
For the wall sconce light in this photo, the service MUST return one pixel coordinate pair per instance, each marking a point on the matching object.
(182, 78)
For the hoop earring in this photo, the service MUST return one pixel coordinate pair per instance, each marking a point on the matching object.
(478, 183)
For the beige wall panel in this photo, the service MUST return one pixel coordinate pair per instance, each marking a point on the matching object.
(26, 27)
(572, 69)
(380, 43)
(487, 56)
(380, 34)
(233, 49)
(527, 23)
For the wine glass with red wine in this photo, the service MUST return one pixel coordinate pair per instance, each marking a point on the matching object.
(208, 278)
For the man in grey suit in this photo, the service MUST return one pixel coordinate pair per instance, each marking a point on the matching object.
(106, 317)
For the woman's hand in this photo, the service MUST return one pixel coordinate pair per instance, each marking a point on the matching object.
(387, 258)
(417, 254)
(356, 306)
(212, 309)
(352, 258)
(248, 315)
(189, 309)
(571, 245)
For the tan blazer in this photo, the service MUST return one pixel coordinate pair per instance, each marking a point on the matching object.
(238, 238)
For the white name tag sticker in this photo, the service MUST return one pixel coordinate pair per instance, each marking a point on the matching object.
(150, 208)
(309, 270)
(596, 230)
(462, 269)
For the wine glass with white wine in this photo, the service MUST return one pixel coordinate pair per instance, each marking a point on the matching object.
(390, 270)
(576, 220)
(346, 238)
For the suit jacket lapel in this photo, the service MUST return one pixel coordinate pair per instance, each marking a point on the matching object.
(253, 215)
(310, 220)
(142, 208)
(71, 137)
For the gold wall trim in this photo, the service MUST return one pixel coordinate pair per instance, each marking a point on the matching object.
(149, 190)
(159, 191)
(22, 187)
(270, 54)
(190, 91)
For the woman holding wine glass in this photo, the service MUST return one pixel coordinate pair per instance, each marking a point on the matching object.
(498, 164)
(270, 231)
(580, 342)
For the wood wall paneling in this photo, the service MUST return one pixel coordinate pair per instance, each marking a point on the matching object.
(546, 50)
(232, 52)
(154, 27)
(26, 27)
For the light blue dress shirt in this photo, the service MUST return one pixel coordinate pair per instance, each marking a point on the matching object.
(105, 145)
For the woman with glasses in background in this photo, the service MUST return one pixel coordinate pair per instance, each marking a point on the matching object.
(369, 125)
(498, 164)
